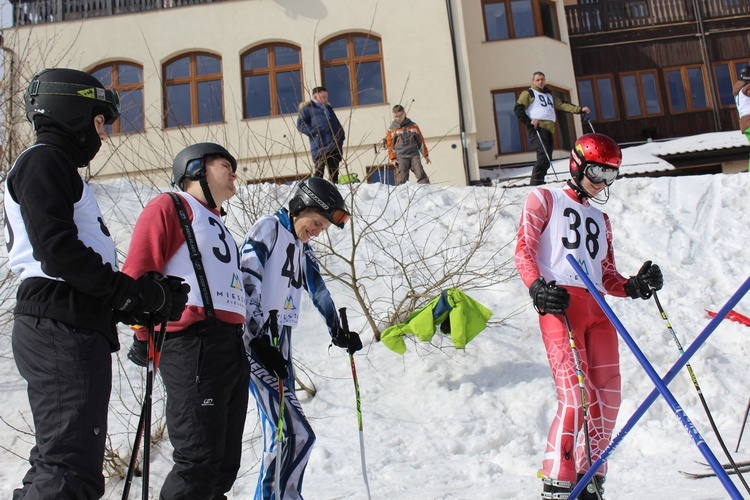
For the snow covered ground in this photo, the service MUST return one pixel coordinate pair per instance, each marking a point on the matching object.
(446, 424)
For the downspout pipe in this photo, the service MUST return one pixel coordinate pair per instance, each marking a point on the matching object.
(707, 63)
(461, 123)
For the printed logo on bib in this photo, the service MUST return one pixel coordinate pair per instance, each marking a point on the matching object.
(584, 265)
(230, 297)
(236, 283)
(289, 304)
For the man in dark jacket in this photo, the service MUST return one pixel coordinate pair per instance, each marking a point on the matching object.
(536, 110)
(71, 294)
(318, 121)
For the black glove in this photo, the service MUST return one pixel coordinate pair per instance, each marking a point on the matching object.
(179, 291)
(548, 297)
(138, 352)
(164, 297)
(649, 277)
(347, 340)
(269, 356)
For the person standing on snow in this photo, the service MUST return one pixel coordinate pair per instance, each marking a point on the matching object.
(405, 144)
(71, 293)
(203, 362)
(535, 108)
(318, 121)
(278, 263)
(742, 98)
(556, 223)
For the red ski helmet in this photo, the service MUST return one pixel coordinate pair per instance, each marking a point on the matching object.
(597, 152)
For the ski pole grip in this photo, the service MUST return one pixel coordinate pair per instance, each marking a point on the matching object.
(273, 324)
(344, 320)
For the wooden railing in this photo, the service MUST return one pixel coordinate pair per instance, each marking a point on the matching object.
(27, 12)
(623, 14)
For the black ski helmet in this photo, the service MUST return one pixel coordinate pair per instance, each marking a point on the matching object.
(190, 163)
(70, 98)
(316, 192)
(745, 74)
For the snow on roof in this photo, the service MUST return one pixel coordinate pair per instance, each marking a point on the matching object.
(644, 158)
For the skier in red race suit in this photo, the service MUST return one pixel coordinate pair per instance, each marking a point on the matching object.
(556, 223)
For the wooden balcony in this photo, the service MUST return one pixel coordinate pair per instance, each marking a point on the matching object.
(26, 12)
(613, 15)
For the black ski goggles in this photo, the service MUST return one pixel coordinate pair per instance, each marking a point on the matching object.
(599, 173)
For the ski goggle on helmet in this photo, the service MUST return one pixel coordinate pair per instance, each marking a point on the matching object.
(596, 156)
(599, 173)
(321, 194)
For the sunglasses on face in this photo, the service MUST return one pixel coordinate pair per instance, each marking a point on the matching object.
(599, 173)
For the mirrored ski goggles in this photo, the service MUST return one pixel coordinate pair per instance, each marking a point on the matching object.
(599, 173)
(339, 217)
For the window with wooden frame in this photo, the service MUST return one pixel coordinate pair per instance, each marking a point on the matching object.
(271, 80)
(686, 89)
(598, 93)
(193, 90)
(508, 19)
(127, 79)
(725, 74)
(640, 94)
(512, 135)
(352, 66)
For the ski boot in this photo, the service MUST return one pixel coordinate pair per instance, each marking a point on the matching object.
(589, 492)
(556, 489)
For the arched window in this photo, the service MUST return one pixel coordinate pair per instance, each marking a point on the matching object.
(193, 90)
(127, 79)
(271, 80)
(353, 70)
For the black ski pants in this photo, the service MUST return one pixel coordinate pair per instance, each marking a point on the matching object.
(331, 160)
(543, 150)
(69, 377)
(206, 375)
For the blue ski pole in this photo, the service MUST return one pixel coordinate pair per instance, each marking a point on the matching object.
(660, 384)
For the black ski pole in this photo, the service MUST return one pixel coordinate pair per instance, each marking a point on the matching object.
(345, 326)
(744, 421)
(549, 159)
(144, 422)
(584, 404)
(273, 325)
(585, 118)
(698, 390)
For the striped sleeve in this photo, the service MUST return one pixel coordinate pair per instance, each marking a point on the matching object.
(612, 280)
(534, 219)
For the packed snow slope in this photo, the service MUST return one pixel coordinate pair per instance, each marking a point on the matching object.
(441, 423)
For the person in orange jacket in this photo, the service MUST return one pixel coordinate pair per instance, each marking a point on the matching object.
(405, 144)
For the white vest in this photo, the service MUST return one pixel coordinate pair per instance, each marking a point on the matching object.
(542, 107)
(743, 103)
(88, 219)
(283, 291)
(220, 261)
(572, 229)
